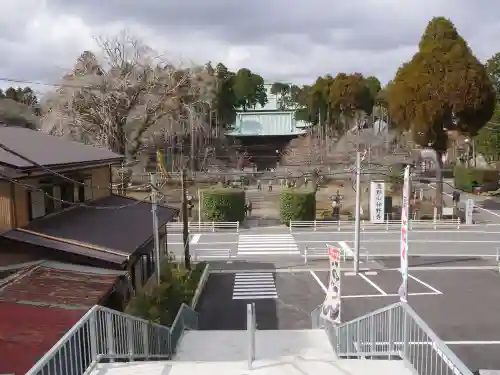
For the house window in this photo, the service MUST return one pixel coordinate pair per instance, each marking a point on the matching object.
(83, 190)
(67, 194)
(56, 193)
(48, 192)
(87, 192)
(36, 207)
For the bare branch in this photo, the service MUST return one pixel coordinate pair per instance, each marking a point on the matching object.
(304, 150)
(130, 95)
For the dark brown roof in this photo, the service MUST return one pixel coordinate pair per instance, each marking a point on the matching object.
(37, 240)
(112, 234)
(48, 150)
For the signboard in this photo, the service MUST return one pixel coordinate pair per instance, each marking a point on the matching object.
(331, 305)
(405, 208)
(377, 202)
(469, 208)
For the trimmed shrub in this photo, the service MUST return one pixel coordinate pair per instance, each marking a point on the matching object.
(160, 303)
(297, 205)
(467, 178)
(223, 204)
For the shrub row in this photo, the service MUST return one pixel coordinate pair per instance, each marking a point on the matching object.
(297, 204)
(223, 204)
(161, 303)
(228, 204)
(467, 178)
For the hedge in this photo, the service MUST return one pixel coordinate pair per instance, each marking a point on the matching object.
(223, 204)
(467, 178)
(297, 205)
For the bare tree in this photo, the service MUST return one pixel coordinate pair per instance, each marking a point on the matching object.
(304, 150)
(132, 93)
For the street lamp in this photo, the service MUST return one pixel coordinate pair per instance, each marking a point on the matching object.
(467, 142)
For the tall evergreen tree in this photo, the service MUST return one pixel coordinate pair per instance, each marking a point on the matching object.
(443, 86)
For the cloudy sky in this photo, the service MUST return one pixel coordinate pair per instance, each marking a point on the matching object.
(287, 40)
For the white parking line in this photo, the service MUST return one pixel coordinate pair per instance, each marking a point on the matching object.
(315, 277)
(425, 284)
(346, 248)
(195, 239)
(387, 295)
(379, 289)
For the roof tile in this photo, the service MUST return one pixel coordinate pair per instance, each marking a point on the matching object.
(32, 317)
(46, 286)
(28, 332)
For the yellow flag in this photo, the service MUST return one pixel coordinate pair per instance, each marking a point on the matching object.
(160, 160)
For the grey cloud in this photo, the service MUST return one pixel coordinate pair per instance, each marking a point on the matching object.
(248, 23)
(303, 38)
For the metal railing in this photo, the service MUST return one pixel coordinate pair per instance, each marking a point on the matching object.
(104, 335)
(393, 332)
(314, 253)
(205, 226)
(486, 255)
(311, 253)
(318, 225)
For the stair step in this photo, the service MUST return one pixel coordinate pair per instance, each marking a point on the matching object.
(285, 365)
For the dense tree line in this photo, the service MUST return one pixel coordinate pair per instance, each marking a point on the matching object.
(240, 90)
(19, 107)
(488, 138)
(24, 95)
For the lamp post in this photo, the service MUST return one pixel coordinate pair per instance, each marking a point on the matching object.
(429, 153)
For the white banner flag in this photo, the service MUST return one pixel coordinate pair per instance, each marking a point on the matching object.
(405, 209)
(331, 305)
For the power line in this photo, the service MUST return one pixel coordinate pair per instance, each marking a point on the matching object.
(49, 170)
(77, 204)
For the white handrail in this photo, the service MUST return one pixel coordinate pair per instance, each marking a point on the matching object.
(104, 333)
(365, 225)
(211, 226)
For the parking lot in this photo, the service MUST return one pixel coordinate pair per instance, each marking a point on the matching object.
(461, 306)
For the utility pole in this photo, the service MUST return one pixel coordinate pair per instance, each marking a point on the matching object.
(185, 222)
(199, 207)
(358, 212)
(156, 236)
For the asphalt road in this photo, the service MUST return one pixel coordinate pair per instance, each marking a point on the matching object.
(461, 306)
(297, 294)
(257, 245)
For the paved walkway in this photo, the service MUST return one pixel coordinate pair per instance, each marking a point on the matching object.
(487, 208)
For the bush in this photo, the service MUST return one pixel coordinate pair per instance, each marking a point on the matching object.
(467, 178)
(161, 303)
(223, 204)
(297, 205)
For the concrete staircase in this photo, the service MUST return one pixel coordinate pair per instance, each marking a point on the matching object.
(289, 352)
(106, 342)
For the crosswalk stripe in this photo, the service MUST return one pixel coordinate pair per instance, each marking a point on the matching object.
(258, 285)
(211, 254)
(267, 252)
(276, 244)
